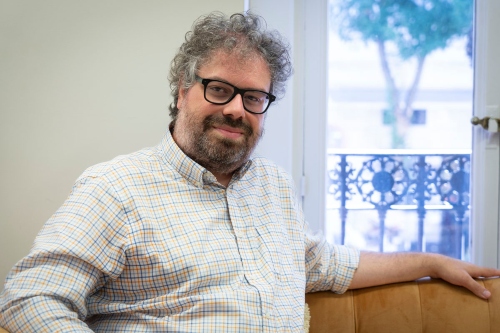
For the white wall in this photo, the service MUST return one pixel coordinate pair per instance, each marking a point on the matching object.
(80, 82)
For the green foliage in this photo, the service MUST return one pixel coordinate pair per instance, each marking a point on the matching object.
(416, 27)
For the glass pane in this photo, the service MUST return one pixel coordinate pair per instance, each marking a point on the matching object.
(399, 136)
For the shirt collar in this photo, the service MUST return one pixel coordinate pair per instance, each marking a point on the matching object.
(171, 154)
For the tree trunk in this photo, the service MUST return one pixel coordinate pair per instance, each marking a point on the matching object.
(393, 97)
(401, 114)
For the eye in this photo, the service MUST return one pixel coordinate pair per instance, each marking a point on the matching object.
(219, 89)
(255, 97)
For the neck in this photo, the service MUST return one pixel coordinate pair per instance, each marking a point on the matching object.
(223, 178)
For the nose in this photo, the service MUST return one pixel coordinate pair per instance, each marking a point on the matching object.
(235, 108)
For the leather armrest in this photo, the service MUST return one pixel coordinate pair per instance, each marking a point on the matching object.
(420, 306)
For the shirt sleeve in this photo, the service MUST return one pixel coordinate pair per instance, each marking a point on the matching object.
(77, 250)
(329, 267)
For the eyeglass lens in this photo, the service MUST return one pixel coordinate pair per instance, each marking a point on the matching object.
(220, 92)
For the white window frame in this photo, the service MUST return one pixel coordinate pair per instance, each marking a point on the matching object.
(486, 152)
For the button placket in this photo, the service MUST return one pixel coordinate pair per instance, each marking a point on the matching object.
(254, 272)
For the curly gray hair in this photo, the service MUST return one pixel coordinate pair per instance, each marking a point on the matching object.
(246, 33)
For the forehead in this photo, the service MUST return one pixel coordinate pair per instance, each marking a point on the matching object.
(243, 70)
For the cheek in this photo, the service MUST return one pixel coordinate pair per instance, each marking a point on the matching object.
(258, 122)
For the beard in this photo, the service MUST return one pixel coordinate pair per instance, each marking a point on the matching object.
(218, 154)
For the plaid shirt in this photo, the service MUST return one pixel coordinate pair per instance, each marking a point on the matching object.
(151, 242)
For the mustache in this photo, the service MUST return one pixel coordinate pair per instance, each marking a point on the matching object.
(214, 120)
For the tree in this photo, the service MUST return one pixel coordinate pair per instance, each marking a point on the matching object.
(415, 27)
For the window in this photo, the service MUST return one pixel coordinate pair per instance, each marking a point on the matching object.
(398, 138)
(485, 241)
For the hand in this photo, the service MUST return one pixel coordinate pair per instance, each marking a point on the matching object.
(462, 273)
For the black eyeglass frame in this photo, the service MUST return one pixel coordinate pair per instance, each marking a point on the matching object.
(237, 91)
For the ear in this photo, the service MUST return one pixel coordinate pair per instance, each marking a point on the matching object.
(181, 97)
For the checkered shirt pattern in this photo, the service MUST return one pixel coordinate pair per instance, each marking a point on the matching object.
(151, 242)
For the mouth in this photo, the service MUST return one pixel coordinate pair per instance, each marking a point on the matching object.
(229, 132)
(227, 128)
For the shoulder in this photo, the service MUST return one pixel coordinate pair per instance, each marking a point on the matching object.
(265, 166)
(270, 173)
(123, 167)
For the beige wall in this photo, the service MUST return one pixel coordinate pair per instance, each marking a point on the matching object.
(80, 82)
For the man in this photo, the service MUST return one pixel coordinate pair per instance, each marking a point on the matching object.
(194, 235)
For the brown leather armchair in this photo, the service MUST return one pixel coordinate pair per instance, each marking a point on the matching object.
(424, 306)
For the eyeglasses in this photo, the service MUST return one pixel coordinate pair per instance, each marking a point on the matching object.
(220, 93)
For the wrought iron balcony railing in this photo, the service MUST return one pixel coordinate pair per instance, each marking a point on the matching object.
(409, 180)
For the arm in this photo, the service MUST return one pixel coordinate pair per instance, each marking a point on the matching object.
(76, 251)
(48, 295)
(383, 268)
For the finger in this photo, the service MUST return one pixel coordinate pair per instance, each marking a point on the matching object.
(477, 288)
(485, 272)
(491, 272)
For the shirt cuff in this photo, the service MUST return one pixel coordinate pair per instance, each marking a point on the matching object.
(346, 262)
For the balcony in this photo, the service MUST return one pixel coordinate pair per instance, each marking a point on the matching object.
(400, 200)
